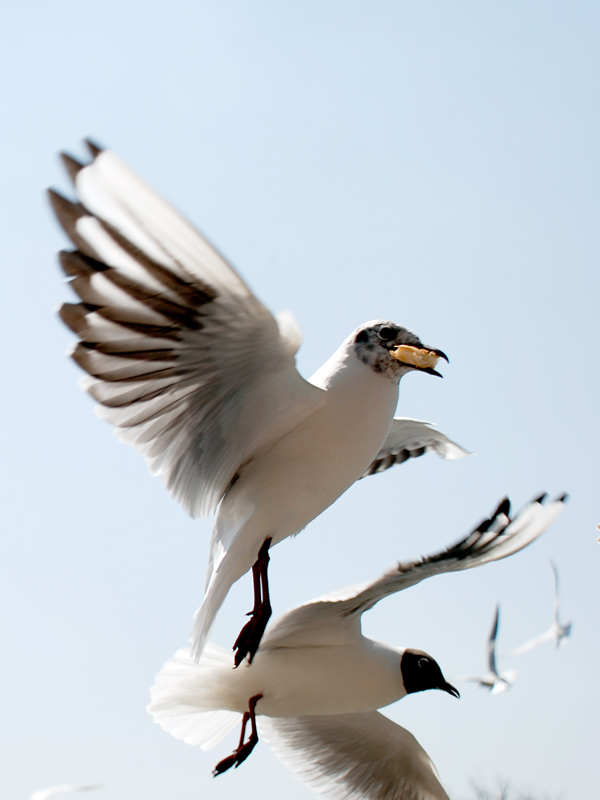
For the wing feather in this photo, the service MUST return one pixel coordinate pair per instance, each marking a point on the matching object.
(354, 757)
(411, 438)
(185, 362)
(491, 643)
(494, 538)
(43, 794)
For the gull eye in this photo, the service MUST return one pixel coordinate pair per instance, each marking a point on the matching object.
(423, 663)
(386, 333)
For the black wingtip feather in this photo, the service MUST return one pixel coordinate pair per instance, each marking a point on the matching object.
(541, 497)
(503, 508)
(483, 526)
(56, 198)
(72, 166)
(67, 214)
(563, 498)
(74, 263)
(94, 148)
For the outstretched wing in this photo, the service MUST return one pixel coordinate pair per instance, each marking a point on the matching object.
(187, 364)
(556, 593)
(43, 794)
(354, 757)
(335, 618)
(411, 438)
(491, 643)
(547, 636)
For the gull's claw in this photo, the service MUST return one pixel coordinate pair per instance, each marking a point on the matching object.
(249, 638)
(244, 748)
(248, 641)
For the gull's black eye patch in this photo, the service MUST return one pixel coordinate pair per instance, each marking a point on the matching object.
(386, 333)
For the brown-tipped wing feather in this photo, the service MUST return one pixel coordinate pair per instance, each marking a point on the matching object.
(411, 438)
(187, 364)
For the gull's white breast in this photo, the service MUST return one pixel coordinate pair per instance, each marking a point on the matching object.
(309, 468)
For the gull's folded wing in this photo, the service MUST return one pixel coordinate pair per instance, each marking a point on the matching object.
(354, 757)
(187, 364)
(411, 438)
(322, 620)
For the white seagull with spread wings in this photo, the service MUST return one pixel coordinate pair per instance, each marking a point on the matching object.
(558, 632)
(194, 371)
(316, 682)
(494, 681)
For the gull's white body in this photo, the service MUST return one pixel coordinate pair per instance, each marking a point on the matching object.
(322, 681)
(317, 713)
(197, 374)
(304, 472)
(367, 676)
(313, 464)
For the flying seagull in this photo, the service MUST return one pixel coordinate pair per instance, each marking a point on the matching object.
(43, 794)
(196, 373)
(493, 680)
(316, 682)
(557, 632)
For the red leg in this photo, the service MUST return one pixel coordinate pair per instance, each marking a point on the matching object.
(256, 581)
(243, 749)
(248, 641)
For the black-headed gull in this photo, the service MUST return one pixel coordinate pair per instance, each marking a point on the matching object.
(316, 682)
(494, 681)
(558, 632)
(194, 371)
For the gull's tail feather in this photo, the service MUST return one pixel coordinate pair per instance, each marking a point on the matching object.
(204, 618)
(185, 698)
(230, 557)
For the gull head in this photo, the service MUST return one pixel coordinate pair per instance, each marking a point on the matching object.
(388, 348)
(421, 672)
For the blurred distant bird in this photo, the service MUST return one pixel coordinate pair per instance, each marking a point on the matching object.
(43, 794)
(494, 681)
(558, 632)
(316, 682)
(194, 371)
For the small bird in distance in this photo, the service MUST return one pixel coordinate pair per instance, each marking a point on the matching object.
(494, 681)
(558, 632)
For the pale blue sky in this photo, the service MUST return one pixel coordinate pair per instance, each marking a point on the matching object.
(433, 163)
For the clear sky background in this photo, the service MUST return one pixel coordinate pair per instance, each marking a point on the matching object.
(433, 163)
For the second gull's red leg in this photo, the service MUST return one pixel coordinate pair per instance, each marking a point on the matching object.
(243, 750)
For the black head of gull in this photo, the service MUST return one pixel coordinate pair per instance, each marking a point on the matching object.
(421, 672)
